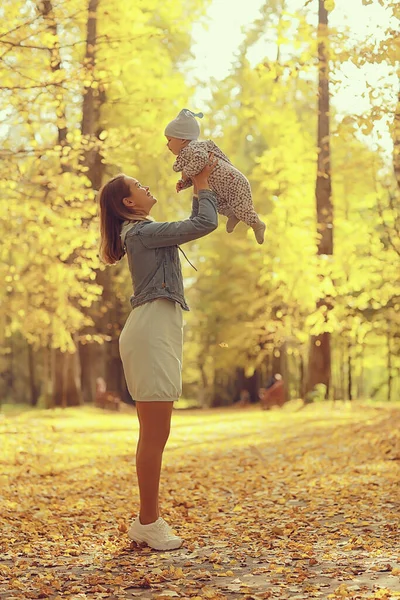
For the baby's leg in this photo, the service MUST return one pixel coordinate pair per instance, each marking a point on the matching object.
(224, 208)
(231, 222)
(243, 208)
(221, 187)
(242, 202)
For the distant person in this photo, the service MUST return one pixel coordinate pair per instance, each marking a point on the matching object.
(104, 398)
(151, 340)
(273, 394)
(230, 185)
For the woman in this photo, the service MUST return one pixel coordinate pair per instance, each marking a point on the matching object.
(151, 340)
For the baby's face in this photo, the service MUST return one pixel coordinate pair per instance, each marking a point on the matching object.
(175, 145)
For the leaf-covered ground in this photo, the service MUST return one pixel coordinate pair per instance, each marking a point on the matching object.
(280, 504)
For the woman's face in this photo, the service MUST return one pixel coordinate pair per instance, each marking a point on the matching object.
(175, 145)
(140, 200)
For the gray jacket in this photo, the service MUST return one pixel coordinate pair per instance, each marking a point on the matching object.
(152, 251)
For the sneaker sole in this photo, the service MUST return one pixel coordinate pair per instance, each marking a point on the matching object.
(172, 545)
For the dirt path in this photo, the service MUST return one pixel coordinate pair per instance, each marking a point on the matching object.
(277, 504)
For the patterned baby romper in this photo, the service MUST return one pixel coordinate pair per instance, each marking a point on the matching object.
(230, 185)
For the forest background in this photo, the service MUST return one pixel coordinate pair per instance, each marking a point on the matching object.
(303, 99)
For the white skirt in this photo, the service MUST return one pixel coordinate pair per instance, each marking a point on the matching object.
(150, 345)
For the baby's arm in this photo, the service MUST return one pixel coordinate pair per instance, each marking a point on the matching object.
(183, 184)
(178, 165)
(196, 158)
(191, 162)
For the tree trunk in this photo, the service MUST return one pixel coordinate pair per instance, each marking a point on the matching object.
(224, 388)
(8, 375)
(239, 383)
(301, 377)
(253, 386)
(111, 324)
(92, 102)
(92, 366)
(204, 396)
(319, 362)
(46, 393)
(285, 371)
(319, 368)
(276, 362)
(98, 360)
(33, 390)
(396, 142)
(342, 374)
(389, 364)
(349, 373)
(323, 191)
(65, 365)
(360, 379)
(268, 373)
(66, 379)
(46, 9)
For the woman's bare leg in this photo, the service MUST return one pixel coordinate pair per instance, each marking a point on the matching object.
(155, 422)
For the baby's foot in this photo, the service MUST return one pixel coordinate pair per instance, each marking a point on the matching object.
(259, 231)
(231, 223)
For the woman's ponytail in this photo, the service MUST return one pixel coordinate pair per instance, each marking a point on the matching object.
(113, 213)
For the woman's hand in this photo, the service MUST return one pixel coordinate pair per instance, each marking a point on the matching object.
(200, 181)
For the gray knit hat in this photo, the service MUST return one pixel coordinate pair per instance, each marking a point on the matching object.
(185, 126)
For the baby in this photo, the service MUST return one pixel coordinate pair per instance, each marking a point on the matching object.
(230, 185)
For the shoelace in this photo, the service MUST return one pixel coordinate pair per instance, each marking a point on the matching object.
(163, 526)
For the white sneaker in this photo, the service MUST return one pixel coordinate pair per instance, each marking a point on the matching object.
(157, 535)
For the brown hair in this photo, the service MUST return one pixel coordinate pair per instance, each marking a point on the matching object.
(113, 213)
